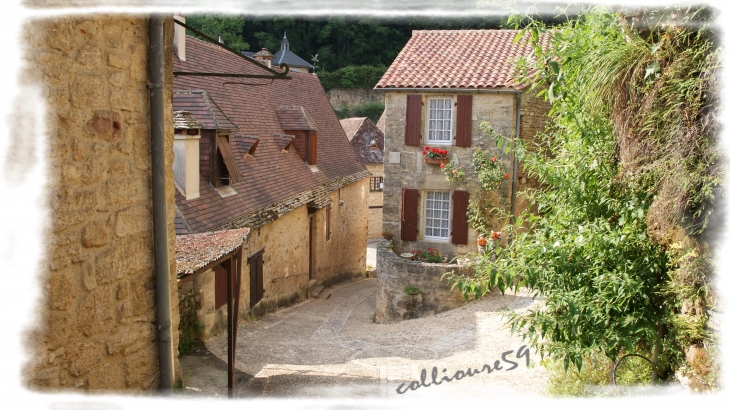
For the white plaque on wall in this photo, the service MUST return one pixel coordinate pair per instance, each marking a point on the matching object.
(394, 157)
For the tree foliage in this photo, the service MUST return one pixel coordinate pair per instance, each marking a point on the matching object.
(632, 136)
(229, 28)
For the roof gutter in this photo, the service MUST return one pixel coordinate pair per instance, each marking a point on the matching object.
(159, 205)
(454, 90)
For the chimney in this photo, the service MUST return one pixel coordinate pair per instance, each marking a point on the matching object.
(178, 39)
(264, 56)
(186, 151)
(220, 40)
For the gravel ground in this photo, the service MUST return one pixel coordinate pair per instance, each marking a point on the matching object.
(330, 348)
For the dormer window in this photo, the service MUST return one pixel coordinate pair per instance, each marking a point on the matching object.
(295, 121)
(226, 171)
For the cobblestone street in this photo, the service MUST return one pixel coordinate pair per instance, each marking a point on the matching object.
(327, 348)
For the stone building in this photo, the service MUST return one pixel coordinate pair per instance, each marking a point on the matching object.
(97, 326)
(440, 90)
(270, 156)
(367, 140)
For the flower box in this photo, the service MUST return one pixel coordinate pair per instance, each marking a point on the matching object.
(442, 160)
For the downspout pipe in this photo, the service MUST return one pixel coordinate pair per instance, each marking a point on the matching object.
(518, 101)
(159, 202)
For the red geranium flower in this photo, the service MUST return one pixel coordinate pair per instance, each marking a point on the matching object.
(426, 147)
(494, 159)
(506, 176)
(453, 171)
(433, 150)
(443, 165)
(424, 152)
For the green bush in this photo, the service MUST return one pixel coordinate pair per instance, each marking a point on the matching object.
(372, 110)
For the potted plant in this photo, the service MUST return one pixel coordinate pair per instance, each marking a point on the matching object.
(493, 238)
(433, 155)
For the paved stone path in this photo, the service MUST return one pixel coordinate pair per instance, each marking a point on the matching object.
(331, 348)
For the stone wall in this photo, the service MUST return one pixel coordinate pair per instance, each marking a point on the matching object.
(375, 204)
(395, 273)
(96, 328)
(343, 256)
(404, 166)
(353, 96)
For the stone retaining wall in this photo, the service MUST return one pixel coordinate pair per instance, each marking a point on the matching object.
(392, 304)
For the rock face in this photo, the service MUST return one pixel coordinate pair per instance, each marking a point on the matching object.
(427, 294)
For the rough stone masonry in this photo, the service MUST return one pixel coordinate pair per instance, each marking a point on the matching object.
(96, 322)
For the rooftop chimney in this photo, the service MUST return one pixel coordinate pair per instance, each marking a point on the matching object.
(178, 40)
(264, 56)
(220, 40)
(186, 151)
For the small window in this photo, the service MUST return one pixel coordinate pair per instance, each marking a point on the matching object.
(438, 215)
(376, 184)
(439, 120)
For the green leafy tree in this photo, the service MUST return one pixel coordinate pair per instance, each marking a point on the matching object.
(229, 28)
(627, 95)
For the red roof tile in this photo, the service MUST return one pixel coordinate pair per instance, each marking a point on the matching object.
(270, 175)
(457, 59)
(365, 138)
(202, 108)
(193, 252)
(295, 118)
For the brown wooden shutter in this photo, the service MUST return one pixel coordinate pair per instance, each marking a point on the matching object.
(312, 148)
(227, 154)
(409, 215)
(460, 224)
(221, 286)
(463, 121)
(413, 120)
(256, 277)
(328, 225)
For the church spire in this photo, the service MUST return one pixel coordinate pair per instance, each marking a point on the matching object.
(284, 42)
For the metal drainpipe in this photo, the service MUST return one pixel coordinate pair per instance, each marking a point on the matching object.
(514, 159)
(159, 205)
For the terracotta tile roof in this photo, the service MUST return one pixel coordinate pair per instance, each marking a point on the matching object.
(203, 108)
(365, 138)
(295, 118)
(351, 125)
(196, 251)
(270, 176)
(457, 59)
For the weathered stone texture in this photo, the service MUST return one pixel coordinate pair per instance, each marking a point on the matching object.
(392, 304)
(95, 331)
(354, 96)
(375, 205)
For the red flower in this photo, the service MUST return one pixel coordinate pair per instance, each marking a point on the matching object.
(454, 171)
(433, 150)
(494, 159)
(443, 165)
(506, 176)
(424, 152)
(426, 147)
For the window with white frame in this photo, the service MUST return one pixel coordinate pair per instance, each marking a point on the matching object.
(438, 215)
(439, 120)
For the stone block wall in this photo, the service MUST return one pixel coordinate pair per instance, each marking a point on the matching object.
(96, 329)
(353, 96)
(375, 205)
(393, 304)
(404, 166)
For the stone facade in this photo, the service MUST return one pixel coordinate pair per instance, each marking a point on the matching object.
(286, 259)
(404, 166)
(375, 202)
(432, 294)
(96, 329)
